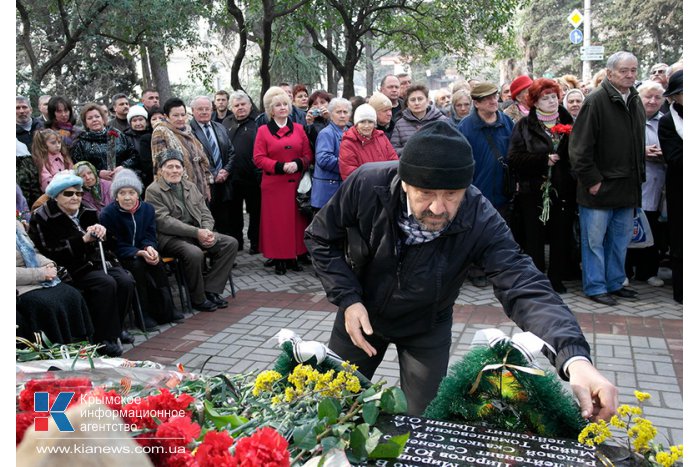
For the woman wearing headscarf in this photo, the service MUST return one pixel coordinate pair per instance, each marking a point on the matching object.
(131, 227)
(96, 190)
(282, 152)
(44, 303)
(573, 100)
(538, 155)
(69, 233)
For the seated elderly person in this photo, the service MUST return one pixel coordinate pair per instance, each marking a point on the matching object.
(185, 226)
(66, 231)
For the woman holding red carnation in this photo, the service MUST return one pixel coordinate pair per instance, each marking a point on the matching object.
(539, 153)
(107, 149)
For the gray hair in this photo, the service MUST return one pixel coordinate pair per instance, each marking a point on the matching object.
(239, 94)
(336, 101)
(617, 57)
(199, 98)
(118, 96)
(25, 100)
(650, 86)
(45, 97)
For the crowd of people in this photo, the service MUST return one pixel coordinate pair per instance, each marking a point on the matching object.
(101, 201)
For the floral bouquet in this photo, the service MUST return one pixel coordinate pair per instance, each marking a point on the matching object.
(557, 132)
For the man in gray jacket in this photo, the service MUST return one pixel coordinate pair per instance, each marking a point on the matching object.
(185, 226)
(606, 148)
(412, 228)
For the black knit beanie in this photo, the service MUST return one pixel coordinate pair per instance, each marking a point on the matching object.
(437, 157)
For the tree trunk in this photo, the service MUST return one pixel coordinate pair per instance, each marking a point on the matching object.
(242, 44)
(369, 66)
(159, 69)
(147, 80)
(265, 59)
(332, 86)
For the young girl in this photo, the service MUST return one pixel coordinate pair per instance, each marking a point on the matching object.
(50, 155)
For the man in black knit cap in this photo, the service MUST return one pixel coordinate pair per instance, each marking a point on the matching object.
(392, 249)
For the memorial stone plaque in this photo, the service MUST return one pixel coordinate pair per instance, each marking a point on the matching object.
(447, 444)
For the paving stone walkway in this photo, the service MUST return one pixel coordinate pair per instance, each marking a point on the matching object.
(637, 345)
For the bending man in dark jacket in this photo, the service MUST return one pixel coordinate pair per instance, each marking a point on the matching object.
(413, 227)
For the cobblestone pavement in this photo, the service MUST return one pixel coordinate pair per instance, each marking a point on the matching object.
(637, 344)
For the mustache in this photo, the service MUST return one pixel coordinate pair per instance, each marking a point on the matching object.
(429, 213)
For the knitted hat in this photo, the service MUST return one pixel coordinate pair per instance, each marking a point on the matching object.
(136, 111)
(125, 178)
(437, 157)
(61, 181)
(483, 89)
(675, 84)
(379, 101)
(170, 154)
(519, 84)
(365, 112)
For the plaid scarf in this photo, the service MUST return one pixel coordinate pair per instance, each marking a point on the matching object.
(410, 226)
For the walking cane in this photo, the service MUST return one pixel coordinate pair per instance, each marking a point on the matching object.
(102, 254)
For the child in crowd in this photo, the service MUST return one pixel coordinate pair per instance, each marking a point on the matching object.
(50, 155)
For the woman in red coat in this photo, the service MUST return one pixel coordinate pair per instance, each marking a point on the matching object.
(283, 152)
(364, 143)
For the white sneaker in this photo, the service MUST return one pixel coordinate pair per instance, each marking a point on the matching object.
(626, 283)
(655, 282)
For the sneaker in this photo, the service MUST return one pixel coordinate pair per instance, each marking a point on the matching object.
(626, 282)
(655, 282)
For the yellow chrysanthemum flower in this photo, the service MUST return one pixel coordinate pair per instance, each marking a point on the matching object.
(641, 433)
(264, 381)
(594, 433)
(617, 422)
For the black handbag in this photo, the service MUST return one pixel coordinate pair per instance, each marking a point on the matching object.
(304, 196)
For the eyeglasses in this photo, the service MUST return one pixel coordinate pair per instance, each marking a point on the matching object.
(660, 71)
(71, 193)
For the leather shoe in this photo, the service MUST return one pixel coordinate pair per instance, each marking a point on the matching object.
(111, 348)
(558, 286)
(280, 267)
(269, 263)
(126, 338)
(604, 298)
(625, 292)
(177, 317)
(294, 265)
(206, 305)
(479, 281)
(149, 325)
(216, 299)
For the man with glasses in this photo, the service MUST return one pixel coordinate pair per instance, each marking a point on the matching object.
(658, 74)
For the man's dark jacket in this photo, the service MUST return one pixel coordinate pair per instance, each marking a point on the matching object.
(220, 191)
(407, 292)
(25, 136)
(607, 145)
(242, 134)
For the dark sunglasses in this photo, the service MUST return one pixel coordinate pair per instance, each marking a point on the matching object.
(70, 193)
(658, 72)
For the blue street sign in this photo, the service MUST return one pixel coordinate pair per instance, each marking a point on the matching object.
(576, 36)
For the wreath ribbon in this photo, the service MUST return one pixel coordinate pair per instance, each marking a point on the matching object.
(504, 364)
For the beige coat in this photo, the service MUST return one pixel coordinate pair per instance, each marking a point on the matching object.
(29, 279)
(169, 210)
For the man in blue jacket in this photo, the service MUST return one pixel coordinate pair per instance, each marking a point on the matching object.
(412, 228)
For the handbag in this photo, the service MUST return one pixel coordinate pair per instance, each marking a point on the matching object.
(304, 196)
(641, 232)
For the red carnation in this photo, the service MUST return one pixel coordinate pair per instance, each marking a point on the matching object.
(113, 133)
(561, 129)
(23, 421)
(178, 431)
(180, 459)
(53, 386)
(264, 448)
(213, 452)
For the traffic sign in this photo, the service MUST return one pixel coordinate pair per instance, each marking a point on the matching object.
(589, 56)
(575, 18)
(595, 49)
(576, 36)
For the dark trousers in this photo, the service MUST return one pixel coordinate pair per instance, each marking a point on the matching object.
(643, 263)
(250, 193)
(191, 253)
(221, 210)
(423, 359)
(153, 289)
(108, 297)
(563, 253)
(529, 230)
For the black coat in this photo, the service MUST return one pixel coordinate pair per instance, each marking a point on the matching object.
(408, 290)
(607, 146)
(57, 237)
(220, 191)
(528, 156)
(242, 135)
(25, 136)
